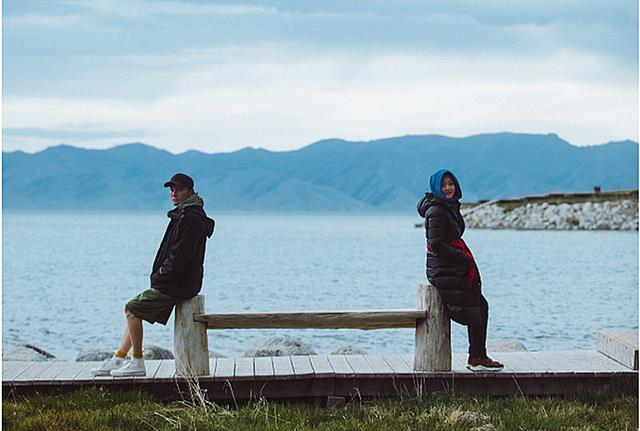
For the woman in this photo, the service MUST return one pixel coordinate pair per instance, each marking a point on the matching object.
(451, 267)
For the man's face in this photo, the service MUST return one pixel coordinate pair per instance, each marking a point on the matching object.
(178, 194)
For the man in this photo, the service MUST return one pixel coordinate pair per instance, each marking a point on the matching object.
(176, 275)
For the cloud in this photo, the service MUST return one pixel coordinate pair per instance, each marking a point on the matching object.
(456, 26)
(279, 74)
(140, 8)
(493, 12)
(74, 134)
(39, 21)
(283, 99)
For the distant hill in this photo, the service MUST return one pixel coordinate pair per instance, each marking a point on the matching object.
(330, 175)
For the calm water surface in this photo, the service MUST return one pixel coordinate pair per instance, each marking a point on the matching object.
(66, 277)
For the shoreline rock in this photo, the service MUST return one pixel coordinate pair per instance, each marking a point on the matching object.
(506, 346)
(149, 351)
(349, 350)
(27, 352)
(608, 215)
(279, 346)
(94, 355)
(156, 352)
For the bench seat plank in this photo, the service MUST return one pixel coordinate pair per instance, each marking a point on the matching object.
(314, 319)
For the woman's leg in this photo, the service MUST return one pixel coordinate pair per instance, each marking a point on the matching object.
(478, 333)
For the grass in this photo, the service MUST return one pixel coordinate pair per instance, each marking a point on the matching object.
(614, 408)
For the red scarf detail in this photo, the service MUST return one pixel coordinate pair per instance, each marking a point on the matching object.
(473, 277)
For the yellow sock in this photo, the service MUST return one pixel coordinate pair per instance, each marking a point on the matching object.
(136, 356)
(120, 354)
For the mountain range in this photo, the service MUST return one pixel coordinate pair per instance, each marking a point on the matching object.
(330, 175)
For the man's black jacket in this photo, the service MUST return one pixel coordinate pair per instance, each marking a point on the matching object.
(178, 266)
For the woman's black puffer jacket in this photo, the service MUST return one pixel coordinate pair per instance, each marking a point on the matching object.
(448, 266)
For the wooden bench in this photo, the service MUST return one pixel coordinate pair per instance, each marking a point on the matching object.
(432, 329)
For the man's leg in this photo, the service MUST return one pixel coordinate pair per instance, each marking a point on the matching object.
(135, 367)
(125, 343)
(152, 306)
(134, 328)
(118, 358)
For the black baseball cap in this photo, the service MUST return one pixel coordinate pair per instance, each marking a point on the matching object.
(180, 180)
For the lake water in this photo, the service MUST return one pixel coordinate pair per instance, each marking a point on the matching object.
(66, 277)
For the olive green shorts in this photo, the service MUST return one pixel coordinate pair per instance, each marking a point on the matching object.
(152, 306)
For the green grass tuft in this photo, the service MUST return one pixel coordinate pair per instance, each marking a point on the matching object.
(614, 408)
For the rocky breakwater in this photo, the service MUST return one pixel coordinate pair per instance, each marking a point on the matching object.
(609, 215)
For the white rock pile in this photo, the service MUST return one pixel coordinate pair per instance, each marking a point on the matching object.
(609, 215)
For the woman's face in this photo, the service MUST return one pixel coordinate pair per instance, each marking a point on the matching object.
(448, 187)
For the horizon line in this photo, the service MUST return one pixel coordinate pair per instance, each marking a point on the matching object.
(112, 147)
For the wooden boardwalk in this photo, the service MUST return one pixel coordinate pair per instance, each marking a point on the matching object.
(304, 377)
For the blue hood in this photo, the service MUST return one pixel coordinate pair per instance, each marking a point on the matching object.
(435, 182)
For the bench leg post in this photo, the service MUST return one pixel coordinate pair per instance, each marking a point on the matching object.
(190, 339)
(433, 334)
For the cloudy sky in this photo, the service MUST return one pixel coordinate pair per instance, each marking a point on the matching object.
(219, 76)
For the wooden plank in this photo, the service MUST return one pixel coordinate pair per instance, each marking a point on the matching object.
(225, 368)
(360, 365)
(398, 365)
(166, 370)
(85, 373)
(340, 365)
(263, 366)
(244, 368)
(602, 362)
(53, 371)
(520, 362)
(282, 366)
(379, 366)
(302, 366)
(9, 366)
(70, 372)
(573, 369)
(151, 366)
(111, 378)
(376, 319)
(578, 361)
(621, 346)
(14, 369)
(459, 362)
(33, 371)
(629, 336)
(321, 366)
(213, 363)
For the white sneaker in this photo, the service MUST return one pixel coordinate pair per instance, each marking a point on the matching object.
(134, 367)
(109, 365)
